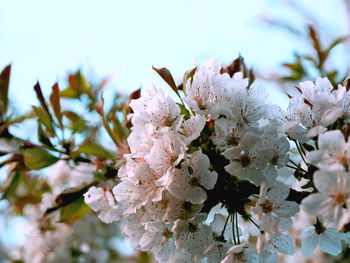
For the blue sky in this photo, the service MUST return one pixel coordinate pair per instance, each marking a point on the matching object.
(46, 39)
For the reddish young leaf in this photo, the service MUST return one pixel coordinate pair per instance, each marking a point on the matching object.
(40, 96)
(167, 77)
(4, 86)
(346, 83)
(55, 102)
(316, 44)
(135, 95)
(99, 107)
(235, 66)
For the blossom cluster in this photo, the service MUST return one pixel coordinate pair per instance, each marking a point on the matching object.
(212, 177)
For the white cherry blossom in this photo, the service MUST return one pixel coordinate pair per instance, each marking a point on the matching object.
(273, 210)
(191, 237)
(333, 154)
(155, 109)
(332, 200)
(240, 254)
(101, 200)
(167, 151)
(329, 239)
(189, 182)
(159, 239)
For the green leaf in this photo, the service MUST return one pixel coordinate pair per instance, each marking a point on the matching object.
(308, 185)
(188, 75)
(121, 131)
(11, 120)
(74, 211)
(71, 194)
(45, 118)
(184, 111)
(77, 86)
(69, 92)
(9, 186)
(43, 138)
(78, 126)
(335, 43)
(78, 82)
(95, 149)
(37, 158)
(72, 116)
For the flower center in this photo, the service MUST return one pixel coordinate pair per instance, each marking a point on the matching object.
(187, 205)
(344, 161)
(339, 198)
(239, 257)
(192, 228)
(245, 160)
(168, 121)
(194, 181)
(167, 233)
(274, 160)
(233, 140)
(267, 206)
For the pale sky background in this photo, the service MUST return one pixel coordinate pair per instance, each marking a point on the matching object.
(45, 39)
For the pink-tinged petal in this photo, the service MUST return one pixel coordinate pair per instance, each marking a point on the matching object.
(150, 239)
(192, 128)
(123, 191)
(317, 130)
(199, 162)
(110, 215)
(96, 199)
(197, 195)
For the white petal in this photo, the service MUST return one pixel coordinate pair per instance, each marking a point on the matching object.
(330, 241)
(279, 192)
(287, 208)
(324, 182)
(309, 241)
(331, 139)
(331, 115)
(311, 204)
(283, 243)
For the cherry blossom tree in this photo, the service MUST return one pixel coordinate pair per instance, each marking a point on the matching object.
(215, 173)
